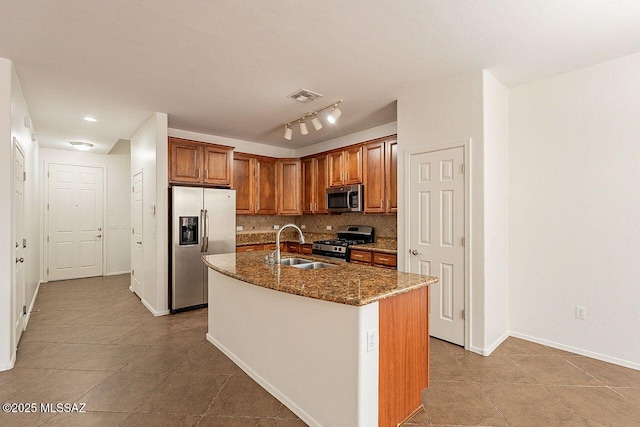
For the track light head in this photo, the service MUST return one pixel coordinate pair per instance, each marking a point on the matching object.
(316, 122)
(334, 115)
(303, 128)
(288, 132)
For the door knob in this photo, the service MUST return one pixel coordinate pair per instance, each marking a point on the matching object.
(19, 260)
(99, 235)
(139, 243)
(99, 228)
(413, 251)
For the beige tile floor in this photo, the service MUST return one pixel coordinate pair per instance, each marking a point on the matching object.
(92, 341)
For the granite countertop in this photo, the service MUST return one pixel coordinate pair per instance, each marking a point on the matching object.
(382, 245)
(345, 283)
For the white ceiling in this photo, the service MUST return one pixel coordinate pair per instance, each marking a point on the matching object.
(226, 67)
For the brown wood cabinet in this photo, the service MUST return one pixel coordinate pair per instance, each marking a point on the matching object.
(376, 259)
(345, 166)
(194, 162)
(254, 179)
(249, 248)
(380, 165)
(306, 248)
(315, 175)
(289, 182)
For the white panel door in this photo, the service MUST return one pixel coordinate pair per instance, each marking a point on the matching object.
(437, 233)
(136, 234)
(18, 235)
(75, 215)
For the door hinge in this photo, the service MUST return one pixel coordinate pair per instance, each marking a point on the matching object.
(48, 176)
(47, 271)
(462, 168)
(47, 206)
(132, 232)
(24, 309)
(47, 239)
(132, 189)
(462, 241)
(462, 314)
(24, 176)
(133, 272)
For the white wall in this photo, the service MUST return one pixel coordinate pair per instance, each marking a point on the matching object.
(495, 117)
(13, 110)
(353, 138)
(149, 154)
(117, 227)
(240, 145)
(7, 350)
(440, 113)
(574, 202)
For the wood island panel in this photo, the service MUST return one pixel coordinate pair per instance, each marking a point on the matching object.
(404, 355)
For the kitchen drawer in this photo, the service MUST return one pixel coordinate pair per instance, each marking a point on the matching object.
(361, 256)
(249, 248)
(269, 246)
(293, 248)
(306, 249)
(385, 260)
(360, 262)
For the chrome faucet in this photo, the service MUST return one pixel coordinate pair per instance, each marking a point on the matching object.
(278, 239)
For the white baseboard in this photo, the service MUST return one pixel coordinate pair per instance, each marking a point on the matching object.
(117, 273)
(487, 351)
(476, 350)
(33, 302)
(152, 310)
(131, 289)
(8, 365)
(265, 384)
(580, 351)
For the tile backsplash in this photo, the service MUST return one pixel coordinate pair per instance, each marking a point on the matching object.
(384, 225)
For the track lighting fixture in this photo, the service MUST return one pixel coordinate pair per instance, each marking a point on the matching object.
(334, 115)
(315, 121)
(288, 132)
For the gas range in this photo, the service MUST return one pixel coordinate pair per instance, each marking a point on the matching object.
(347, 235)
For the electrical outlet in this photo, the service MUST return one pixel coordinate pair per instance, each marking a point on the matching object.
(581, 313)
(371, 340)
(239, 228)
(275, 227)
(329, 227)
(302, 227)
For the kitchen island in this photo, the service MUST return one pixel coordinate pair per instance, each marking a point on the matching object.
(345, 345)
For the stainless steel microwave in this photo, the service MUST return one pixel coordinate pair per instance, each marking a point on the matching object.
(345, 199)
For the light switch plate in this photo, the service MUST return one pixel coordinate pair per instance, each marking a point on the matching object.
(275, 227)
(371, 340)
(329, 227)
(239, 228)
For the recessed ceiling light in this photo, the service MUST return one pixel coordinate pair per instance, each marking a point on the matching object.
(90, 119)
(82, 146)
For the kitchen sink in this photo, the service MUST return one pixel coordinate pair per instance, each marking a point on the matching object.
(294, 261)
(313, 265)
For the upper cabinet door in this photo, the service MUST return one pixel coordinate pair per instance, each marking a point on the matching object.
(288, 193)
(391, 173)
(185, 162)
(374, 178)
(336, 169)
(308, 185)
(243, 177)
(217, 165)
(265, 180)
(352, 165)
(322, 182)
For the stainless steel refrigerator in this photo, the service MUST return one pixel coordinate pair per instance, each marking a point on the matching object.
(203, 221)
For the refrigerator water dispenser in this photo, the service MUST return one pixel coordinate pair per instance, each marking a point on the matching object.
(188, 230)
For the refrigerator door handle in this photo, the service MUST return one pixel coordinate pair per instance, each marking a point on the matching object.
(206, 230)
(202, 232)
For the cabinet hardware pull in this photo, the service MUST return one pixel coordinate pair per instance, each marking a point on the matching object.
(380, 203)
(388, 205)
(383, 259)
(206, 173)
(198, 170)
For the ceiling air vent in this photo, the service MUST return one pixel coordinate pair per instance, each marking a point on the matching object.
(304, 96)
